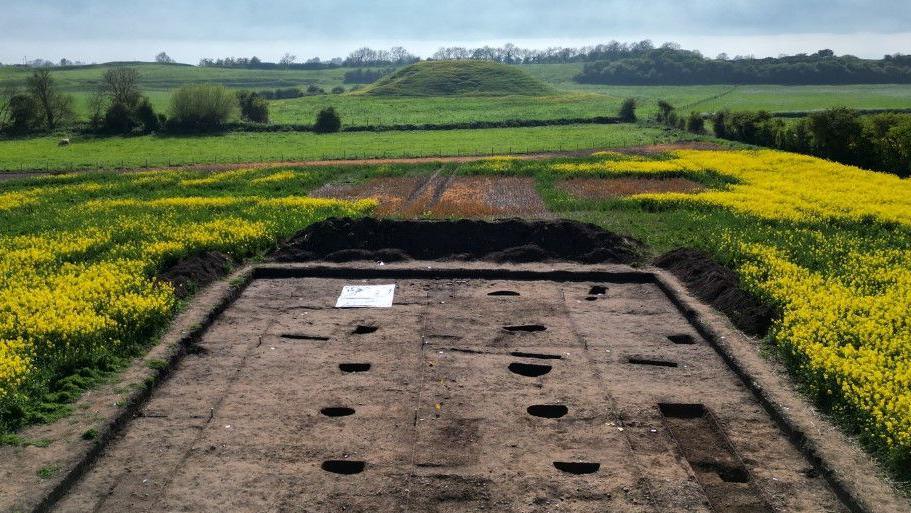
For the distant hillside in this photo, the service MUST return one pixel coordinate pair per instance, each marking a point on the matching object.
(468, 78)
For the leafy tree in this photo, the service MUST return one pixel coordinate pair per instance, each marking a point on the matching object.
(118, 118)
(666, 112)
(695, 123)
(719, 126)
(253, 107)
(628, 110)
(146, 116)
(55, 107)
(6, 95)
(899, 137)
(338, 90)
(23, 115)
(327, 121)
(202, 107)
(836, 133)
(163, 58)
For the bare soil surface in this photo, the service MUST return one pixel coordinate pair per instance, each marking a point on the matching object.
(466, 395)
(512, 240)
(442, 195)
(606, 188)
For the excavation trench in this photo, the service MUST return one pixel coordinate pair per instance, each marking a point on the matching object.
(440, 398)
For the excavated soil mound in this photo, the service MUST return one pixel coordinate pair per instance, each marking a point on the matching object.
(718, 286)
(512, 240)
(196, 271)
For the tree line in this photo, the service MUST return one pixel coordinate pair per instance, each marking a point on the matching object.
(366, 75)
(399, 56)
(362, 57)
(671, 65)
(880, 142)
(119, 107)
(616, 63)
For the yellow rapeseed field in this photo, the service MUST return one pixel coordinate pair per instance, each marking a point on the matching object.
(846, 324)
(78, 257)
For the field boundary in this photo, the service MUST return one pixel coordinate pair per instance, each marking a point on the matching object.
(805, 113)
(851, 473)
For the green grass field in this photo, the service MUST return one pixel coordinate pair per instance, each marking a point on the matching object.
(132, 152)
(775, 98)
(360, 110)
(569, 100)
(464, 78)
(162, 77)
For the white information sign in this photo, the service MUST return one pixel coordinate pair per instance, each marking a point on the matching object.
(366, 296)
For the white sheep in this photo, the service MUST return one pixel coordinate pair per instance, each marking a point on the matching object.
(63, 142)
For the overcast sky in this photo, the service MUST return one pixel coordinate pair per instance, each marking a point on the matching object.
(104, 30)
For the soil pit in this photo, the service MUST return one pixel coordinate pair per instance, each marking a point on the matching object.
(512, 240)
(427, 412)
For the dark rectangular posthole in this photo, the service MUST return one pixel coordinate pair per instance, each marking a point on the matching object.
(298, 336)
(635, 360)
(526, 328)
(682, 339)
(713, 459)
(536, 356)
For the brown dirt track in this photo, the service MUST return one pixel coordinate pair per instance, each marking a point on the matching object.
(440, 418)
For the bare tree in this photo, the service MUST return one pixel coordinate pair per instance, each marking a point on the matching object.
(399, 55)
(121, 85)
(55, 107)
(287, 60)
(163, 58)
(98, 104)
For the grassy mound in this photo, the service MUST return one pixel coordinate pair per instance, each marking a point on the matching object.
(469, 78)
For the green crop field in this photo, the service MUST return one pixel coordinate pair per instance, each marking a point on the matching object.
(43, 153)
(360, 110)
(775, 98)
